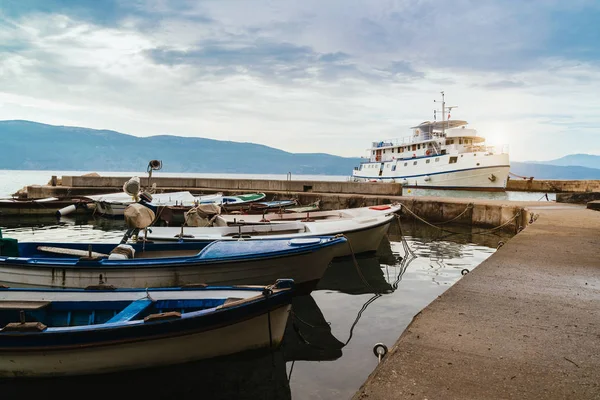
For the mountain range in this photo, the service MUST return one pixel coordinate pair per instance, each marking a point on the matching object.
(27, 145)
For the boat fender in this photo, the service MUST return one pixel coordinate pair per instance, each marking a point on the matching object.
(66, 210)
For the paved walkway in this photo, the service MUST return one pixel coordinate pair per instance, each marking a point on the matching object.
(525, 324)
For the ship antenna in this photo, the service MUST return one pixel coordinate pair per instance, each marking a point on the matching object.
(443, 113)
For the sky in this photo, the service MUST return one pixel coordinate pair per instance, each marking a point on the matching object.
(308, 76)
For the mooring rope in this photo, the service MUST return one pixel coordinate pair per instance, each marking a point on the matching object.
(469, 206)
(517, 214)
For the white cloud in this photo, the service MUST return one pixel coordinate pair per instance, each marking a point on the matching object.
(301, 77)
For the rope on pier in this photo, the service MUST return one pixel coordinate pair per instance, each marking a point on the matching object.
(469, 206)
(517, 215)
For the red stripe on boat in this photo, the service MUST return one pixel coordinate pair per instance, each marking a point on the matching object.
(380, 207)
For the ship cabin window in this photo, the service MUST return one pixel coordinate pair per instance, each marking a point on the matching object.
(373, 152)
(474, 154)
(453, 160)
(392, 149)
(393, 167)
(384, 151)
(460, 141)
(449, 141)
(427, 161)
(437, 159)
(415, 163)
(401, 149)
(419, 146)
(414, 147)
(405, 164)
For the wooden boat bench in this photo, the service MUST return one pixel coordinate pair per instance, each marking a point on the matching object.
(70, 252)
(131, 311)
(23, 305)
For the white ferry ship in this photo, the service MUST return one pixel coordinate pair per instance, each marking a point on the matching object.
(440, 154)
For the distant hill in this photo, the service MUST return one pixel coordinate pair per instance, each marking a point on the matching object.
(581, 160)
(33, 146)
(543, 171)
(30, 145)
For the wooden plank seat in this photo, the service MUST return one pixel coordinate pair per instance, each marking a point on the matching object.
(70, 252)
(23, 305)
(131, 311)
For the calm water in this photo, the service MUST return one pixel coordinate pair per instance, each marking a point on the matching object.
(11, 181)
(327, 349)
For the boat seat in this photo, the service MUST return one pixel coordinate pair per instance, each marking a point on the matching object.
(23, 305)
(70, 252)
(131, 311)
(232, 301)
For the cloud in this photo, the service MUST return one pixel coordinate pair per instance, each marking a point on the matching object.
(504, 84)
(303, 76)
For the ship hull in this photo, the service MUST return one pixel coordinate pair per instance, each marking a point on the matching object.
(488, 173)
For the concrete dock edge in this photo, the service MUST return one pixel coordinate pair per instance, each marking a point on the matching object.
(525, 324)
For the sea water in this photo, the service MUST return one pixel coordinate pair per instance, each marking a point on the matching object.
(327, 350)
(11, 181)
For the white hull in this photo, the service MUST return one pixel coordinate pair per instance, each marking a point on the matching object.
(113, 205)
(330, 215)
(304, 268)
(470, 171)
(110, 209)
(249, 334)
(363, 234)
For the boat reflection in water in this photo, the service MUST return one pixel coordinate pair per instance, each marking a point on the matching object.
(307, 335)
(366, 276)
(249, 375)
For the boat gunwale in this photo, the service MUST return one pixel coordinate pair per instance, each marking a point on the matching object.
(167, 262)
(140, 331)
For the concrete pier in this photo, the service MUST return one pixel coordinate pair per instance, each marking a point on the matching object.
(81, 185)
(525, 324)
(553, 185)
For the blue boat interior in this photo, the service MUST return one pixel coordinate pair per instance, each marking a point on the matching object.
(78, 250)
(206, 250)
(80, 313)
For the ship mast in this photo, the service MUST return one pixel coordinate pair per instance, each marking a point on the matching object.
(444, 113)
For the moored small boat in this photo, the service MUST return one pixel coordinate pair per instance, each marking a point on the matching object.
(46, 206)
(346, 213)
(50, 332)
(363, 233)
(114, 204)
(80, 265)
(237, 202)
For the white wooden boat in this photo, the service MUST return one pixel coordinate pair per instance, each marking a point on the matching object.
(114, 204)
(62, 332)
(80, 265)
(363, 233)
(346, 213)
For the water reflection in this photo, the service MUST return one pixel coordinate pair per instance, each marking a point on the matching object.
(307, 335)
(327, 346)
(250, 375)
